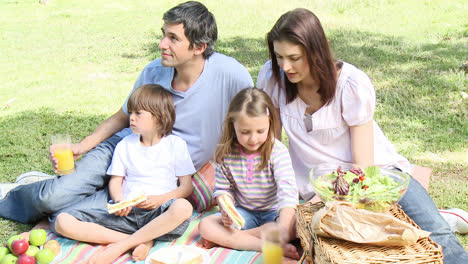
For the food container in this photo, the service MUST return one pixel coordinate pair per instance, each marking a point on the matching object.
(372, 188)
(327, 250)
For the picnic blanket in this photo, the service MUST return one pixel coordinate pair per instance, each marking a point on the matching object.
(74, 252)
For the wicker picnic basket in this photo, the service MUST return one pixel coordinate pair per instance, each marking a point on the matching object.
(336, 251)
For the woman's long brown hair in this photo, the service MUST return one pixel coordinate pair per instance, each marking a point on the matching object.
(302, 27)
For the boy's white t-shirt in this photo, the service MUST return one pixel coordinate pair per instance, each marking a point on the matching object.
(150, 170)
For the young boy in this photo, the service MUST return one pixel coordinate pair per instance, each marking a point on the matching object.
(150, 162)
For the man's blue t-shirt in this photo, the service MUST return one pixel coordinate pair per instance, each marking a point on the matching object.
(200, 111)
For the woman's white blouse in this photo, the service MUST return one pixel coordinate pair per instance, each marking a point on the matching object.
(329, 139)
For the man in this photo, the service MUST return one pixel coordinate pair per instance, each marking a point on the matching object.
(202, 83)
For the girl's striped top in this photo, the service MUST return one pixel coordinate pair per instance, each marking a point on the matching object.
(272, 188)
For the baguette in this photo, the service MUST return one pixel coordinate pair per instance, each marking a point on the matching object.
(228, 207)
(112, 208)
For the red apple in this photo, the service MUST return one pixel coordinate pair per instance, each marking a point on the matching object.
(26, 259)
(19, 246)
(13, 238)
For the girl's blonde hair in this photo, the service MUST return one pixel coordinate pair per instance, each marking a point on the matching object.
(156, 100)
(253, 102)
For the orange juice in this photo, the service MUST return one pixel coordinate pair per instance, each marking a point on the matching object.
(272, 253)
(66, 163)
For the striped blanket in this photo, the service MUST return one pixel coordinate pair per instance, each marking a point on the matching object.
(74, 252)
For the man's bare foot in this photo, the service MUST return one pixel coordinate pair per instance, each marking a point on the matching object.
(290, 251)
(141, 251)
(206, 244)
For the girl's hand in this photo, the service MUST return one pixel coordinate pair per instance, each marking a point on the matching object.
(284, 234)
(226, 219)
(124, 211)
(151, 203)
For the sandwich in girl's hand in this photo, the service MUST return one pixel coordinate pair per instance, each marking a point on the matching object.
(228, 207)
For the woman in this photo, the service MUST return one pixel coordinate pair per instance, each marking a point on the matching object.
(326, 107)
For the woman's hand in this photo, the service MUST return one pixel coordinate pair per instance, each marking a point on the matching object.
(124, 211)
(152, 202)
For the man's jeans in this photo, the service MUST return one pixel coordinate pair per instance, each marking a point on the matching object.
(418, 205)
(29, 203)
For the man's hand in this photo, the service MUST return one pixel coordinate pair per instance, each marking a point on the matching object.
(76, 149)
(151, 203)
(109, 127)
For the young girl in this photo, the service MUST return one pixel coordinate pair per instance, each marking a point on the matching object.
(150, 161)
(255, 170)
(327, 110)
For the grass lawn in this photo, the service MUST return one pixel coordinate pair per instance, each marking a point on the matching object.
(68, 65)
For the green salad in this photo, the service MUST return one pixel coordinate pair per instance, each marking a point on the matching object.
(368, 188)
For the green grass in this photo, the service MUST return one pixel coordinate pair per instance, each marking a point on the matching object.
(70, 64)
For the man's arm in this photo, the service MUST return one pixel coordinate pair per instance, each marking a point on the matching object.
(107, 128)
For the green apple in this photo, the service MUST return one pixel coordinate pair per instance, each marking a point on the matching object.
(13, 238)
(3, 252)
(9, 259)
(37, 237)
(32, 250)
(44, 256)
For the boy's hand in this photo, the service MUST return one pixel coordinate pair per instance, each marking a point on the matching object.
(124, 211)
(151, 203)
(226, 219)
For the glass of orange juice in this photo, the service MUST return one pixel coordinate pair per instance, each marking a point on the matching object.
(271, 246)
(63, 152)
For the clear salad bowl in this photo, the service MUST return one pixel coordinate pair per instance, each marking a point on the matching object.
(372, 188)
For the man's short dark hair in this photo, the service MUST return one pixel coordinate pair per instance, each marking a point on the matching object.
(199, 24)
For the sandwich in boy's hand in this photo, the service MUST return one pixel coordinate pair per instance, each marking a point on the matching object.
(112, 208)
(227, 205)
